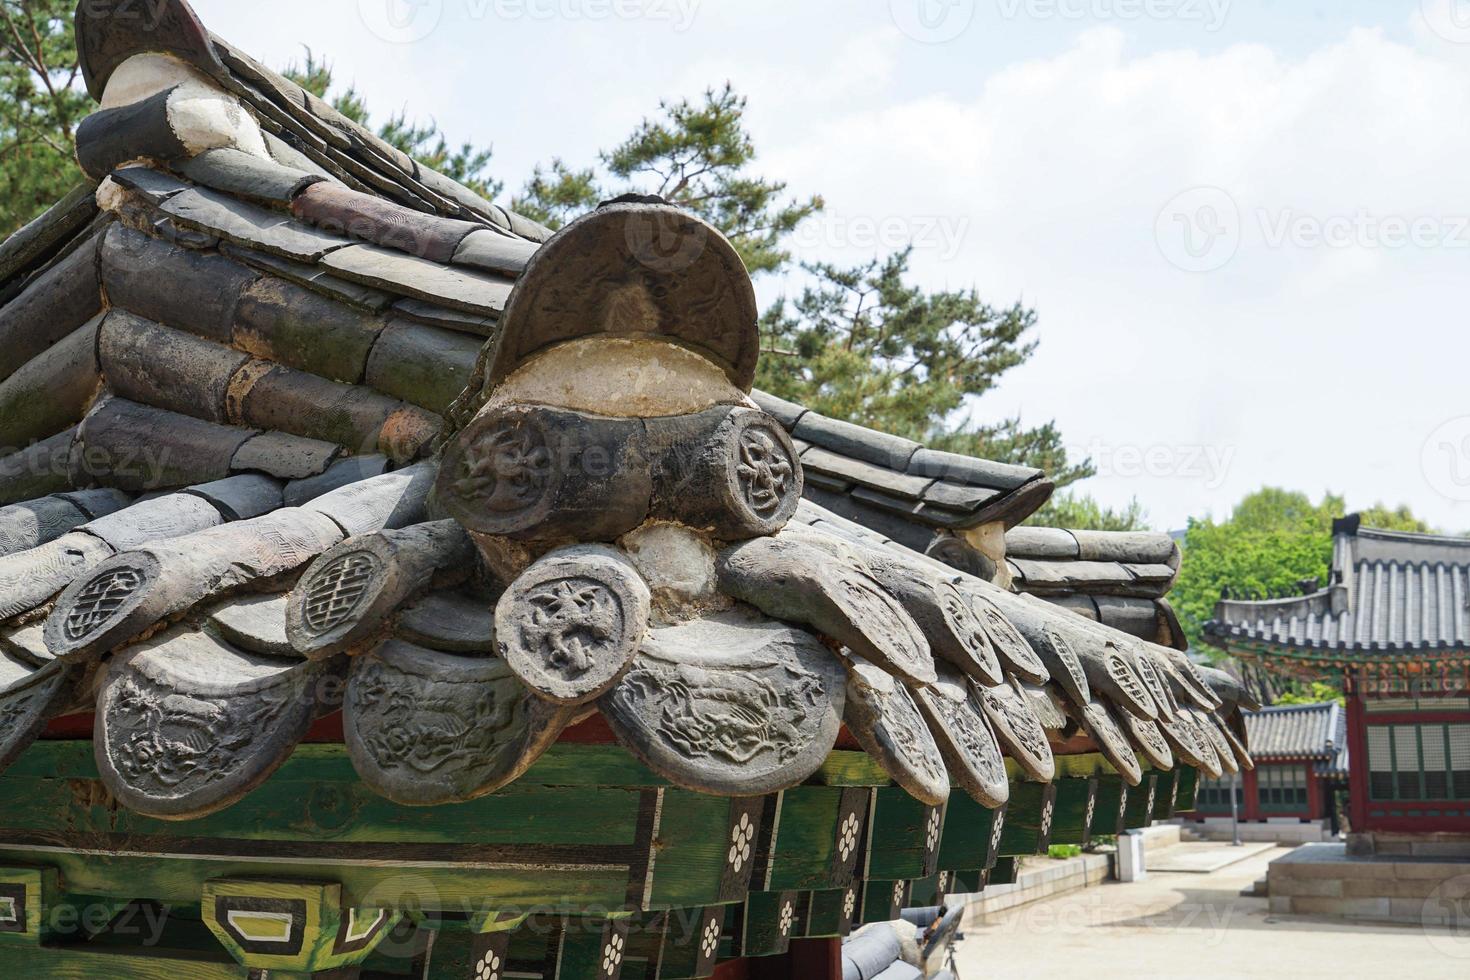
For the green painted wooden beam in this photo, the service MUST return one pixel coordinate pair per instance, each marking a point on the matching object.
(1028, 818)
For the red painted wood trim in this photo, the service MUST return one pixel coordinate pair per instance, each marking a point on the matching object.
(1357, 764)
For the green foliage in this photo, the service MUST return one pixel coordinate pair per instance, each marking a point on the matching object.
(1063, 851)
(695, 154)
(1081, 513)
(865, 345)
(41, 103)
(1274, 540)
(423, 141)
(1311, 692)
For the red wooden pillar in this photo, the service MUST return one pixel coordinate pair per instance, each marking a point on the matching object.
(807, 959)
(1250, 799)
(1357, 733)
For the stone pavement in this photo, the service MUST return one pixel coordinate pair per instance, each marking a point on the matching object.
(1203, 857)
(1199, 925)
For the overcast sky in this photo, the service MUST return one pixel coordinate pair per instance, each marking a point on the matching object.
(1245, 224)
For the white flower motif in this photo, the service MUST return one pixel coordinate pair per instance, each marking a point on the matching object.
(931, 837)
(997, 829)
(849, 904)
(1149, 810)
(742, 836)
(787, 915)
(612, 955)
(711, 939)
(847, 837)
(1091, 810)
(489, 967)
(898, 894)
(1046, 812)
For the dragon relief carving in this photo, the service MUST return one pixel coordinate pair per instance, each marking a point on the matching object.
(571, 621)
(1021, 723)
(764, 471)
(508, 469)
(906, 730)
(164, 738)
(736, 716)
(418, 725)
(966, 727)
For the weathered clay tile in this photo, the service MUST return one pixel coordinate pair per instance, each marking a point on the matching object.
(126, 595)
(313, 277)
(452, 621)
(109, 138)
(246, 175)
(285, 456)
(969, 470)
(493, 251)
(151, 364)
(34, 522)
(28, 247)
(340, 473)
(254, 623)
(634, 268)
(408, 275)
(664, 709)
(424, 727)
(423, 365)
(137, 447)
(965, 739)
(186, 724)
(790, 580)
(264, 395)
(52, 305)
(286, 323)
(882, 716)
(346, 596)
(175, 286)
(30, 696)
(252, 226)
(51, 392)
(364, 217)
(441, 316)
(109, 32)
(152, 185)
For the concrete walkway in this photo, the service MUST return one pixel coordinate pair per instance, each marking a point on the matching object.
(1198, 925)
(1203, 857)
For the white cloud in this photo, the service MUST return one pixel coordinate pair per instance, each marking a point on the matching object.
(1308, 365)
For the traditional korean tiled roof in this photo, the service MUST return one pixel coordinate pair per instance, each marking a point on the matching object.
(893, 484)
(293, 415)
(1302, 731)
(1391, 594)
